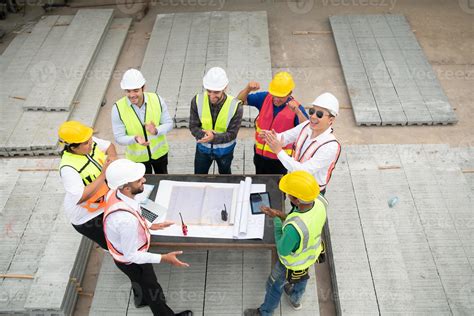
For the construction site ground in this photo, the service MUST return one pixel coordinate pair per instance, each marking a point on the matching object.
(444, 29)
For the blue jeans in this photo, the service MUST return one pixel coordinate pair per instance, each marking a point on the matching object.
(275, 283)
(202, 162)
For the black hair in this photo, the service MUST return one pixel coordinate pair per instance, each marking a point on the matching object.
(68, 147)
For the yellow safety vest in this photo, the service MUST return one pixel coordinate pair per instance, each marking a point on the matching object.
(309, 226)
(224, 117)
(89, 168)
(158, 146)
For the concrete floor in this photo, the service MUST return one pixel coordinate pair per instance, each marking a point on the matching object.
(445, 30)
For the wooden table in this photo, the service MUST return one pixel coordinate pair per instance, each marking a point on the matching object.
(268, 241)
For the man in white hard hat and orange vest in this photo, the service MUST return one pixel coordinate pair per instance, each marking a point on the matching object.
(140, 121)
(128, 237)
(316, 148)
(214, 121)
(278, 110)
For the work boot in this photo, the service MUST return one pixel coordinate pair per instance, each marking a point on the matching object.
(252, 312)
(139, 303)
(185, 313)
(288, 289)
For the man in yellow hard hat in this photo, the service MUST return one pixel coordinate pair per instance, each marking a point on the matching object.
(298, 241)
(278, 111)
(140, 121)
(82, 169)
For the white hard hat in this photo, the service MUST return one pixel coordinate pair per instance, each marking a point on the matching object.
(329, 102)
(123, 171)
(215, 79)
(132, 79)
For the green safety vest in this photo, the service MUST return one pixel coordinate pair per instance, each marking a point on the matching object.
(88, 166)
(158, 145)
(309, 226)
(224, 117)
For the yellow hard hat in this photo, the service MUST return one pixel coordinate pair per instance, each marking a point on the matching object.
(281, 85)
(301, 185)
(72, 132)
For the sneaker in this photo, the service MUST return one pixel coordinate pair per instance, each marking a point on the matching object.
(252, 312)
(287, 288)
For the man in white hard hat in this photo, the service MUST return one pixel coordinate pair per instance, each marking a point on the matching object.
(215, 119)
(128, 237)
(140, 121)
(316, 148)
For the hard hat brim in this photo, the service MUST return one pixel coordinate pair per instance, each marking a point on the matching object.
(214, 88)
(136, 173)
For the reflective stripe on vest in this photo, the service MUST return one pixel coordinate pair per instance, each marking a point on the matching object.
(115, 204)
(224, 117)
(309, 226)
(158, 145)
(283, 121)
(89, 168)
(312, 149)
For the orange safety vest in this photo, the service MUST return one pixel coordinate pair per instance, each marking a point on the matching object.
(115, 204)
(312, 149)
(89, 168)
(283, 121)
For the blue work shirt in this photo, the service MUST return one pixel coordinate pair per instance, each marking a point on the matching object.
(256, 100)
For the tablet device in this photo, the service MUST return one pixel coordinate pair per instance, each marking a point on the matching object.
(257, 200)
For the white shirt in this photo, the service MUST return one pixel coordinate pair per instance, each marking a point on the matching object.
(319, 164)
(74, 188)
(120, 133)
(122, 232)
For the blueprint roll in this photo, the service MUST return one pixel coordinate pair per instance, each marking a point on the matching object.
(244, 215)
(238, 210)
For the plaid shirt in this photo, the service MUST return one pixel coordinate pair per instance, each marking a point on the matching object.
(195, 125)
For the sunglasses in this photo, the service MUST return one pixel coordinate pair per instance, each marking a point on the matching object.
(319, 114)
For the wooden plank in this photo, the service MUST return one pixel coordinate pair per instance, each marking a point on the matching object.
(12, 78)
(224, 281)
(82, 38)
(112, 293)
(363, 102)
(389, 271)
(12, 49)
(187, 285)
(53, 287)
(259, 53)
(92, 93)
(427, 289)
(173, 63)
(34, 132)
(181, 156)
(438, 223)
(347, 249)
(155, 50)
(194, 66)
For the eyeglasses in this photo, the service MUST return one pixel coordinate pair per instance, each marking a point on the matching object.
(319, 114)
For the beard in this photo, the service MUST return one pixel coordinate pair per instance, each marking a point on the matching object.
(138, 190)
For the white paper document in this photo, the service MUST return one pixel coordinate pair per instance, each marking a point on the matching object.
(202, 205)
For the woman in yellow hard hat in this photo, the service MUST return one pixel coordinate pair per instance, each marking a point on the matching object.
(82, 169)
(278, 111)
